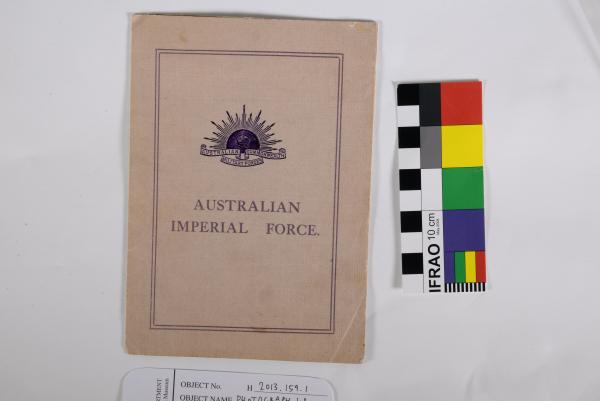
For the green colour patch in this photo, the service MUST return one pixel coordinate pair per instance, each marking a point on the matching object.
(460, 273)
(462, 188)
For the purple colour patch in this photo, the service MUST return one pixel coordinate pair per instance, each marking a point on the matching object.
(449, 267)
(464, 230)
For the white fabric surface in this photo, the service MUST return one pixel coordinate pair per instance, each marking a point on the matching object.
(63, 174)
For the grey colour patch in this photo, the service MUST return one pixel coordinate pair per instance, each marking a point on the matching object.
(431, 147)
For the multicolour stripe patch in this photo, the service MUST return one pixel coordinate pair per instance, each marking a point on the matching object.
(440, 156)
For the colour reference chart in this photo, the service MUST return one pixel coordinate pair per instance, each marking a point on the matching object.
(440, 157)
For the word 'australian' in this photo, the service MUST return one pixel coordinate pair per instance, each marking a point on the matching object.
(234, 205)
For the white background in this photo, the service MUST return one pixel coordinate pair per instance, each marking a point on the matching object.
(63, 178)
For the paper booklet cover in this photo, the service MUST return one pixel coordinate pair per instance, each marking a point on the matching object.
(250, 163)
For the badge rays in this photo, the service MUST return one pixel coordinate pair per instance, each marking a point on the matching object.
(250, 123)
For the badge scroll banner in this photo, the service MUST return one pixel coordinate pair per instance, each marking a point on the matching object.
(243, 161)
(440, 157)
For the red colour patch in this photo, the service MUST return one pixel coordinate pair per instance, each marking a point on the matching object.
(461, 103)
(480, 266)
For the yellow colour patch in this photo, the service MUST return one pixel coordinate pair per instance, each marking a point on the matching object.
(462, 146)
(470, 270)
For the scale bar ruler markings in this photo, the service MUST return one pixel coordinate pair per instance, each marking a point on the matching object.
(440, 171)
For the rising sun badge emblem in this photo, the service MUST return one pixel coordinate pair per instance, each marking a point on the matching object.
(243, 141)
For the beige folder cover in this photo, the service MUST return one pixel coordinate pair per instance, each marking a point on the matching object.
(250, 165)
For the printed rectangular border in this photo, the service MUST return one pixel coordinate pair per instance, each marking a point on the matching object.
(331, 328)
